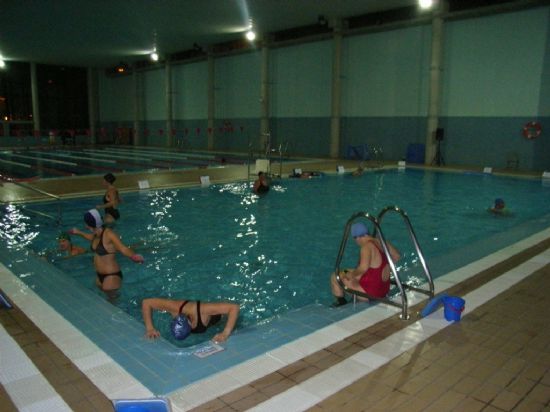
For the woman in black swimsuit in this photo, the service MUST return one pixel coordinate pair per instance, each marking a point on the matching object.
(111, 199)
(199, 315)
(104, 242)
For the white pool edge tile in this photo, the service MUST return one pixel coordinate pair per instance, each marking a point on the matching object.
(384, 351)
(71, 341)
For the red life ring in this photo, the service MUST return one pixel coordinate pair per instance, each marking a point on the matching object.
(532, 130)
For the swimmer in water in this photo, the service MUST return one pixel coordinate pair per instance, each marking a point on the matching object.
(499, 208)
(190, 317)
(261, 185)
(65, 245)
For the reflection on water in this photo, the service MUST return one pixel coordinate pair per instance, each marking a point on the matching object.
(275, 252)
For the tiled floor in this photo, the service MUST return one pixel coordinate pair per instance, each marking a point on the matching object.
(496, 358)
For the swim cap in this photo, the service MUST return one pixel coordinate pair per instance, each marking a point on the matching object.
(180, 327)
(499, 202)
(64, 236)
(93, 218)
(110, 178)
(359, 229)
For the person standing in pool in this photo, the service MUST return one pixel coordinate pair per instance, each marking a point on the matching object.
(111, 199)
(190, 317)
(372, 274)
(104, 242)
(261, 185)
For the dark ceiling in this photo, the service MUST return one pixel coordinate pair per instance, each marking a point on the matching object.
(102, 33)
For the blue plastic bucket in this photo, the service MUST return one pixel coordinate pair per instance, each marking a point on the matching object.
(453, 307)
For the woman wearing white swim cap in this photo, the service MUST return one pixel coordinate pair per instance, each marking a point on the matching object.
(104, 242)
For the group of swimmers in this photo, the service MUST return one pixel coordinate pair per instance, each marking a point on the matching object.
(188, 316)
(371, 276)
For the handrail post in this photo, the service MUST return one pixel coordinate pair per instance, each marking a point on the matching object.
(414, 239)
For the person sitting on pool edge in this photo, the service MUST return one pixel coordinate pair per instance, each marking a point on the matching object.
(190, 317)
(261, 185)
(104, 242)
(111, 199)
(499, 208)
(372, 274)
(65, 245)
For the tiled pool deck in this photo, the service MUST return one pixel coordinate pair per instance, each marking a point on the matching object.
(254, 371)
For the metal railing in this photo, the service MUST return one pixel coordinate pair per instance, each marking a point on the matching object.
(394, 278)
(414, 239)
(403, 304)
(267, 154)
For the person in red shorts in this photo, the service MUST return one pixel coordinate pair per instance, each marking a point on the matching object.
(372, 274)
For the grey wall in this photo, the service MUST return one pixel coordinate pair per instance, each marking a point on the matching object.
(495, 78)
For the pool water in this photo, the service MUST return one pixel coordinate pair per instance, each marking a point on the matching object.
(274, 253)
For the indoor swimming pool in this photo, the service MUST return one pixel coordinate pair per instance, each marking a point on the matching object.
(271, 254)
(34, 163)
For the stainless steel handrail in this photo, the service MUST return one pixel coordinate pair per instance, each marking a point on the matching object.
(414, 239)
(404, 303)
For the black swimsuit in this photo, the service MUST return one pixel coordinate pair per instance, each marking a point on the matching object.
(201, 328)
(263, 189)
(101, 251)
(111, 210)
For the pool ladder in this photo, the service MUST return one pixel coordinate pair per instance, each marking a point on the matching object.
(394, 278)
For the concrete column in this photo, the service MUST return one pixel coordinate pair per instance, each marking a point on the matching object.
(265, 133)
(137, 107)
(211, 100)
(92, 103)
(335, 117)
(435, 83)
(34, 95)
(169, 95)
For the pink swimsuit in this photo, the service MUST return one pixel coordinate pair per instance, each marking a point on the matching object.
(372, 282)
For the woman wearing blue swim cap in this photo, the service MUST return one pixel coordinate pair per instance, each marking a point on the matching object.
(190, 317)
(372, 274)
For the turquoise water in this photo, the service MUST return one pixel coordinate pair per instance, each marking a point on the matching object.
(273, 254)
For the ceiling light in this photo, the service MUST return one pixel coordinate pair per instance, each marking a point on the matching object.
(425, 4)
(155, 56)
(250, 34)
(2, 62)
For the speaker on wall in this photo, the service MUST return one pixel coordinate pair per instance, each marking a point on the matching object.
(439, 134)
